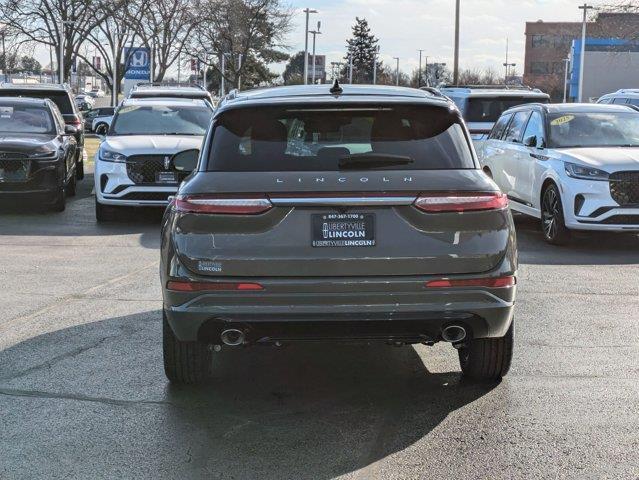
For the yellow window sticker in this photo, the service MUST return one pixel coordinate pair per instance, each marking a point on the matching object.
(562, 120)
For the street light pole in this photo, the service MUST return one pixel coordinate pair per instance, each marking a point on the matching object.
(223, 69)
(315, 33)
(307, 11)
(567, 62)
(396, 71)
(375, 55)
(585, 7)
(419, 71)
(456, 60)
(239, 69)
(350, 68)
(114, 80)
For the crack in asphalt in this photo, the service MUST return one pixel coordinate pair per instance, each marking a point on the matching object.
(13, 392)
(20, 320)
(49, 363)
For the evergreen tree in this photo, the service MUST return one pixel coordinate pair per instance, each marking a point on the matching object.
(294, 71)
(362, 48)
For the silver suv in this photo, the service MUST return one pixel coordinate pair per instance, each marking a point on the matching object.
(338, 214)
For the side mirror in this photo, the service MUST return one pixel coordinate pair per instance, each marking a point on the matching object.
(530, 141)
(70, 130)
(186, 161)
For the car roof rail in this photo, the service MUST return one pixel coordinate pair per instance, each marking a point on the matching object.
(492, 87)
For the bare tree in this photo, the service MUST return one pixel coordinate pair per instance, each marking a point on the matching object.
(253, 30)
(45, 21)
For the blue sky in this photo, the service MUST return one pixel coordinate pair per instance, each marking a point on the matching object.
(403, 26)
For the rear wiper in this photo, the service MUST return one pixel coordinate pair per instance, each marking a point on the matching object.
(372, 160)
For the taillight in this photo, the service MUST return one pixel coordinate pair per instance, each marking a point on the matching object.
(498, 282)
(75, 122)
(223, 204)
(461, 201)
(184, 286)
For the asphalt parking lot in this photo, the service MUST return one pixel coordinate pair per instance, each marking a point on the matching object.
(83, 394)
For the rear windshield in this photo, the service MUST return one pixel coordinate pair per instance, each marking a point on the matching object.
(18, 118)
(326, 138)
(61, 99)
(489, 109)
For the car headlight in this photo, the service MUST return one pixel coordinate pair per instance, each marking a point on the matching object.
(585, 173)
(111, 156)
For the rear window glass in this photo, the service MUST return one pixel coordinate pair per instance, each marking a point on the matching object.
(326, 138)
(161, 120)
(61, 99)
(490, 109)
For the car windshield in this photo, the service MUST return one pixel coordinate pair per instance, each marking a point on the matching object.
(610, 129)
(16, 118)
(324, 138)
(60, 98)
(161, 120)
(489, 109)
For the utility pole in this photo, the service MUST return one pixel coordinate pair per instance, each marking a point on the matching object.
(419, 71)
(350, 68)
(396, 71)
(375, 55)
(222, 83)
(456, 60)
(585, 7)
(315, 33)
(239, 68)
(567, 62)
(4, 55)
(426, 70)
(114, 80)
(507, 65)
(307, 11)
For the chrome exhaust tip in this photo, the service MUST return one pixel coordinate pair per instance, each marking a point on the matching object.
(453, 333)
(232, 337)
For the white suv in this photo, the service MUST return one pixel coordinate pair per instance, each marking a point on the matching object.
(135, 164)
(481, 105)
(574, 166)
(628, 96)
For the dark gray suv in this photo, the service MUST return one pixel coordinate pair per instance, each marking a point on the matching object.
(355, 213)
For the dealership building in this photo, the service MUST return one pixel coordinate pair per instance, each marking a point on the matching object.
(548, 44)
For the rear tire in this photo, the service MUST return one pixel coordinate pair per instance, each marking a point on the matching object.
(184, 362)
(72, 185)
(487, 359)
(101, 129)
(553, 225)
(59, 202)
(79, 166)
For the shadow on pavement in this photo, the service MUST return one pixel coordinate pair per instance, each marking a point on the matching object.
(586, 248)
(303, 412)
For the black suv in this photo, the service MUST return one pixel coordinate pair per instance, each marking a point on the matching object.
(62, 96)
(337, 214)
(37, 152)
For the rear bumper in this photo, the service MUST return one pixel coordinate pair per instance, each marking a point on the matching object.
(339, 308)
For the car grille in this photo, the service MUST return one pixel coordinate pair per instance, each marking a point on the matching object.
(141, 169)
(14, 167)
(149, 196)
(622, 220)
(624, 187)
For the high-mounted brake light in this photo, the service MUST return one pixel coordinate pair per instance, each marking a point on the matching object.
(223, 204)
(499, 282)
(461, 202)
(183, 286)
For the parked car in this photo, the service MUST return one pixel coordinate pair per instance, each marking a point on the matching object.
(152, 90)
(481, 105)
(63, 98)
(626, 96)
(134, 165)
(37, 152)
(574, 166)
(354, 213)
(96, 92)
(84, 102)
(98, 119)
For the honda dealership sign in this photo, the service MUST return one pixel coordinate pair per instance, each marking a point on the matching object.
(137, 63)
